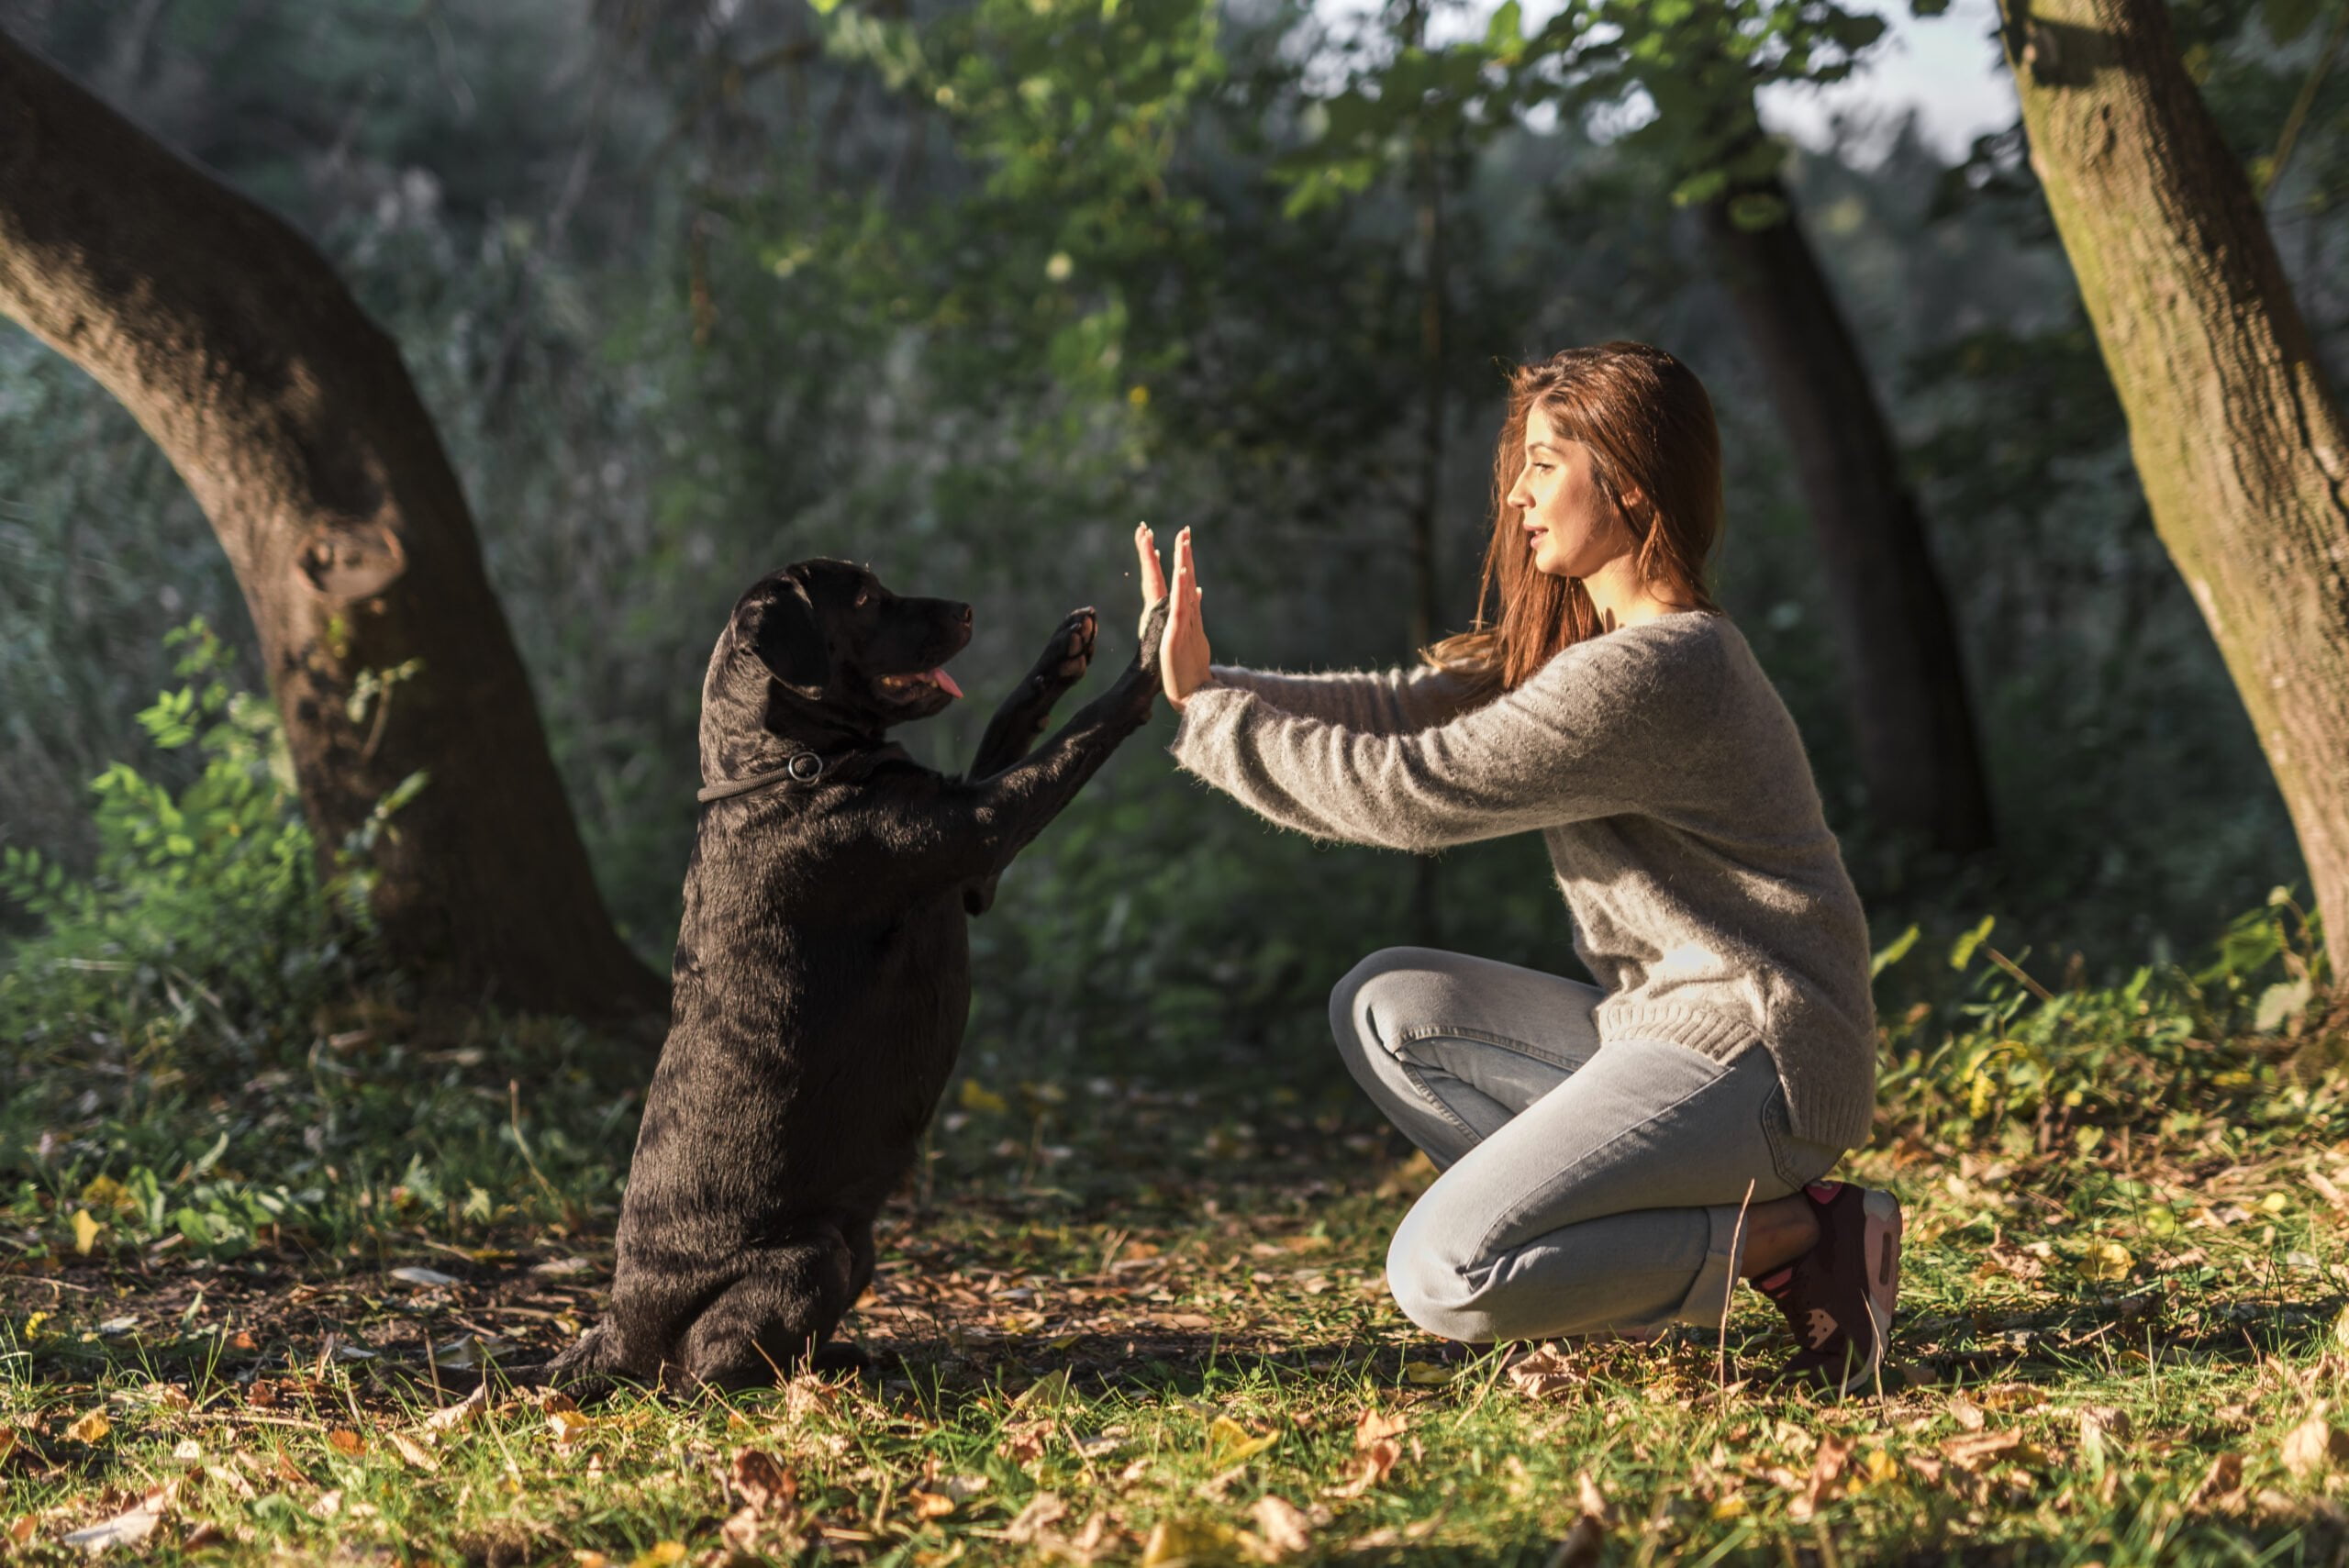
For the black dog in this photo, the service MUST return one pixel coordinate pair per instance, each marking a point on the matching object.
(822, 970)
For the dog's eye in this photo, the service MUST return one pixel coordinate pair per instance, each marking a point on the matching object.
(863, 599)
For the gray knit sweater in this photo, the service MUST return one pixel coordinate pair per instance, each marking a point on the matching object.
(1708, 899)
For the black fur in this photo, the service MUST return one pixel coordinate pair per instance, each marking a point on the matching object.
(822, 969)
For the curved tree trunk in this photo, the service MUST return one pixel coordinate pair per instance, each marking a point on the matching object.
(2238, 442)
(292, 419)
(1910, 710)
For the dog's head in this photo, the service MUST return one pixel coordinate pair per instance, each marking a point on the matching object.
(823, 653)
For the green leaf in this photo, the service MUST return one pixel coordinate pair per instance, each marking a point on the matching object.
(1962, 954)
(1893, 951)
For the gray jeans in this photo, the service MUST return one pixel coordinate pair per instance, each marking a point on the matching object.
(1582, 1189)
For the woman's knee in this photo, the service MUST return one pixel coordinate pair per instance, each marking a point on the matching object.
(1437, 1289)
(1364, 1005)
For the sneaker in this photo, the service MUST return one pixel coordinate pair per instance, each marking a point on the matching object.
(1838, 1298)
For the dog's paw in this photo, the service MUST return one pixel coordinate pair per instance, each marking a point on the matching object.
(840, 1355)
(1070, 651)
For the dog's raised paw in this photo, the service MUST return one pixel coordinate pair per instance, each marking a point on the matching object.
(1072, 646)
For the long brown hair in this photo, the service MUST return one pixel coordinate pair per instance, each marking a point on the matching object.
(1649, 425)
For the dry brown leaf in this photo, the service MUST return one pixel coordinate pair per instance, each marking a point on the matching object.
(1826, 1479)
(2102, 1423)
(1024, 1441)
(1043, 1511)
(345, 1442)
(2314, 1446)
(1582, 1545)
(766, 1486)
(413, 1451)
(929, 1505)
(1977, 1451)
(1967, 1414)
(1367, 1469)
(449, 1417)
(1372, 1427)
(2222, 1484)
(1284, 1528)
(1544, 1373)
(91, 1429)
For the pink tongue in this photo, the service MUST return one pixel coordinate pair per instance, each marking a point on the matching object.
(946, 683)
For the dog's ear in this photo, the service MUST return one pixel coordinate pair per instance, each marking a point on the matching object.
(780, 628)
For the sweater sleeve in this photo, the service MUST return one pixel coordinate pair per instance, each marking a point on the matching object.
(1380, 702)
(1598, 730)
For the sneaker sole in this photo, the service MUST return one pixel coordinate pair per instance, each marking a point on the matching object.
(1880, 1245)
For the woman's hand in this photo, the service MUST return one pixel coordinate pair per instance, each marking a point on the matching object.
(1182, 657)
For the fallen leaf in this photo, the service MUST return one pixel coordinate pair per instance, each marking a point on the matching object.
(1045, 1392)
(86, 1232)
(1229, 1443)
(1188, 1541)
(1582, 1544)
(1024, 1441)
(1284, 1529)
(326, 1505)
(660, 1555)
(2313, 1446)
(1371, 1427)
(343, 1440)
(415, 1276)
(413, 1451)
(764, 1483)
(1375, 1451)
(449, 1418)
(2107, 1261)
(1979, 1451)
(1544, 1373)
(1430, 1374)
(567, 1427)
(557, 1267)
(2222, 1484)
(1043, 1511)
(91, 1429)
(127, 1528)
(929, 1505)
(1826, 1478)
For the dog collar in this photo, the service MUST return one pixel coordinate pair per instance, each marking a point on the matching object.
(803, 768)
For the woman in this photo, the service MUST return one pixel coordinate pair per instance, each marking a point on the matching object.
(1612, 1156)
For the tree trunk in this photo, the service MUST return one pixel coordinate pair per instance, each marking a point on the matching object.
(291, 418)
(1910, 710)
(2238, 442)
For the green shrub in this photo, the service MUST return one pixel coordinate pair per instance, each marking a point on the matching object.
(205, 909)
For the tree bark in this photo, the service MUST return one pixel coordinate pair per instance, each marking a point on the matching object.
(2238, 442)
(1909, 708)
(292, 419)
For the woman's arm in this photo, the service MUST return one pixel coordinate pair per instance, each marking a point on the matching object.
(1608, 727)
(1379, 702)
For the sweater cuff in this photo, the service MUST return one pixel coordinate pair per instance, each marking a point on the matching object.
(1198, 714)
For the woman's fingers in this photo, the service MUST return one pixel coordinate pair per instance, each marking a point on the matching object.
(1153, 576)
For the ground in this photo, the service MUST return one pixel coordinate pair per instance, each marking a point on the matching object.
(1118, 1321)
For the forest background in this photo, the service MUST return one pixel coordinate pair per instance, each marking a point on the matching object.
(695, 289)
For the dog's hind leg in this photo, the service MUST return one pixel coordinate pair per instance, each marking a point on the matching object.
(776, 1318)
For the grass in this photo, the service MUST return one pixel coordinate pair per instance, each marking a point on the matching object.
(1126, 1321)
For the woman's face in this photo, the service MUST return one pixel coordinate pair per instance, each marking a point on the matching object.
(1570, 527)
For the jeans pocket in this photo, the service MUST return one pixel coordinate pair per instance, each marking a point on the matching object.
(1798, 1160)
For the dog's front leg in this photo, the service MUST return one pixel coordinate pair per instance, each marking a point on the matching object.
(1024, 713)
